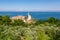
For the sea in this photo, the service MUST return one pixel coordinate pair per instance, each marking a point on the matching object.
(35, 15)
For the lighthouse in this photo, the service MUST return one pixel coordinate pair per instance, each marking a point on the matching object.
(29, 16)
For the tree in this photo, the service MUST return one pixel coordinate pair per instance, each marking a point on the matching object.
(19, 23)
(1, 20)
(51, 20)
(39, 22)
(40, 34)
(6, 20)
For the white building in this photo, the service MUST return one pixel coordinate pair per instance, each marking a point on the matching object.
(28, 20)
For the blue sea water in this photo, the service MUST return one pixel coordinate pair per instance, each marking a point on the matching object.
(36, 15)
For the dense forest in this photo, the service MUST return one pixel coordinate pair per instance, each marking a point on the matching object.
(48, 29)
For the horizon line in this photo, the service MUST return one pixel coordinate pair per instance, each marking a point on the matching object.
(29, 11)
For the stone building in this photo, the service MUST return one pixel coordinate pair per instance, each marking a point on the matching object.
(27, 19)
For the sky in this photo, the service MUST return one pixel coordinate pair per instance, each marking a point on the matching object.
(29, 5)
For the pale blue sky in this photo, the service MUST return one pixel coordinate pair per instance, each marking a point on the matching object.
(29, 5)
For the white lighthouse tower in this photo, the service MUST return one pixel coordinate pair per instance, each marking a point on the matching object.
(29, 16)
